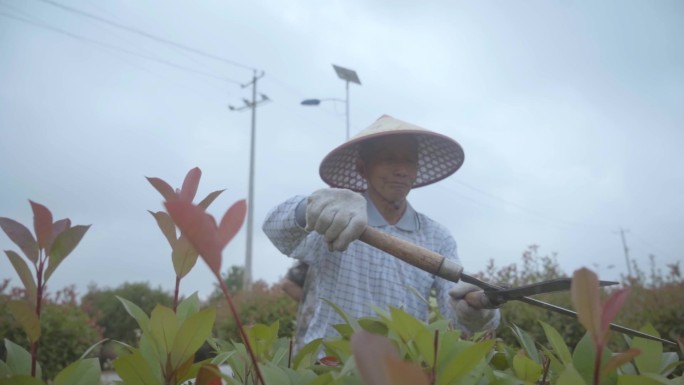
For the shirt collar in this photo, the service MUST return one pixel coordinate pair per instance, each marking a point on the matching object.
(407, 222)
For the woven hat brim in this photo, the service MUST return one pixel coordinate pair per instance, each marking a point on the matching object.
(438, 157)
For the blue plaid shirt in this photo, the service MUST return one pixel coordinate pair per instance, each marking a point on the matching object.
(361, 275)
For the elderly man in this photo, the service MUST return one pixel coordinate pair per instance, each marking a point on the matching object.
(370, 177)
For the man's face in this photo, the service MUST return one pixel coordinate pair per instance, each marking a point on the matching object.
(390, 167)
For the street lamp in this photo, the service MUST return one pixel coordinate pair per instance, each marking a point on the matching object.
(349, 76)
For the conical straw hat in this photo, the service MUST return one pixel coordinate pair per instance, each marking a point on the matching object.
(438, 156)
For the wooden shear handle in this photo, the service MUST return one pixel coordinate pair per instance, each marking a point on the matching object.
(420, 257)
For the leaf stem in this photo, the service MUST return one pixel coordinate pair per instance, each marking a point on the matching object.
(175, 293)
(597, 363)
(434, 364)
(238, 323)
(39, 301)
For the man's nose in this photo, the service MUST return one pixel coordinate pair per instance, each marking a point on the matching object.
(401, 169)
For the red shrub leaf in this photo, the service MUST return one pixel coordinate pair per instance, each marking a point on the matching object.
(63, 245)
(200, 229)
(231, 222)
(57, 228)
(210, 198)
(21, 236)
(611, 308)
(164, 189)
(42, 224)
(620, 359)
(208, 374)
(190, 184)
(371, 352)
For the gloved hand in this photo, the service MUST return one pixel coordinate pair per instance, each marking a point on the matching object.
(338, 214)
(470, 313)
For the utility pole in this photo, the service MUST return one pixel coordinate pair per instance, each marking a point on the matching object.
(626, 249)
(253, 104)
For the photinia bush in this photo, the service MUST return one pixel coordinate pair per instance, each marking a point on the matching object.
(391, 348)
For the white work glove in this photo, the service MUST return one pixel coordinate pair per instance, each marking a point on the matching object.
(472, 317)
(337, 214)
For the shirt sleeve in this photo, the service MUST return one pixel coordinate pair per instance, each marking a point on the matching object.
(286, 233)
(281, 226)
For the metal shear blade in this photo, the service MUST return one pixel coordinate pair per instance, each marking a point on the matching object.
(497, 297)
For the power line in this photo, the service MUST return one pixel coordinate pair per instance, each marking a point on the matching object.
(112, 47)
(525, 209)
(147, 35)
(651, 245)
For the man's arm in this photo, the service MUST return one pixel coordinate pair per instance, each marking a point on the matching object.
(282, 228)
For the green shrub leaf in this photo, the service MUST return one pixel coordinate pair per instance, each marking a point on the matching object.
(570, 376)
(23, 379)
(21, 236)
(465, 362)
(151, 351)
(405, 325)
(24, 273)
(188, 307)
(425, 344)
(351, 321)
(373, 325)
(163, 328)
(670, 363)
(274, 375)
(583, 358)
(81, 372)
(557, 343)
(649, 361)
(191, 335)
(527, 343)
(92, 347)
(136, 312)
(19, 360)
(633, 379)
(4, 370)
(183, 256)
(63, 245)
(26, 315)
(526, 369)
(308, 354)
(133, 369)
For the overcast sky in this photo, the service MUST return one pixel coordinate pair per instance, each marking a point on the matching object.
(570, 114)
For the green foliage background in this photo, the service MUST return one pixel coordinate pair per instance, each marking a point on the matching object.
(67, 330)
(110, 315)
(656, 298)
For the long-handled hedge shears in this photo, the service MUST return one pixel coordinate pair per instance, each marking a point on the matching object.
(494, 295)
